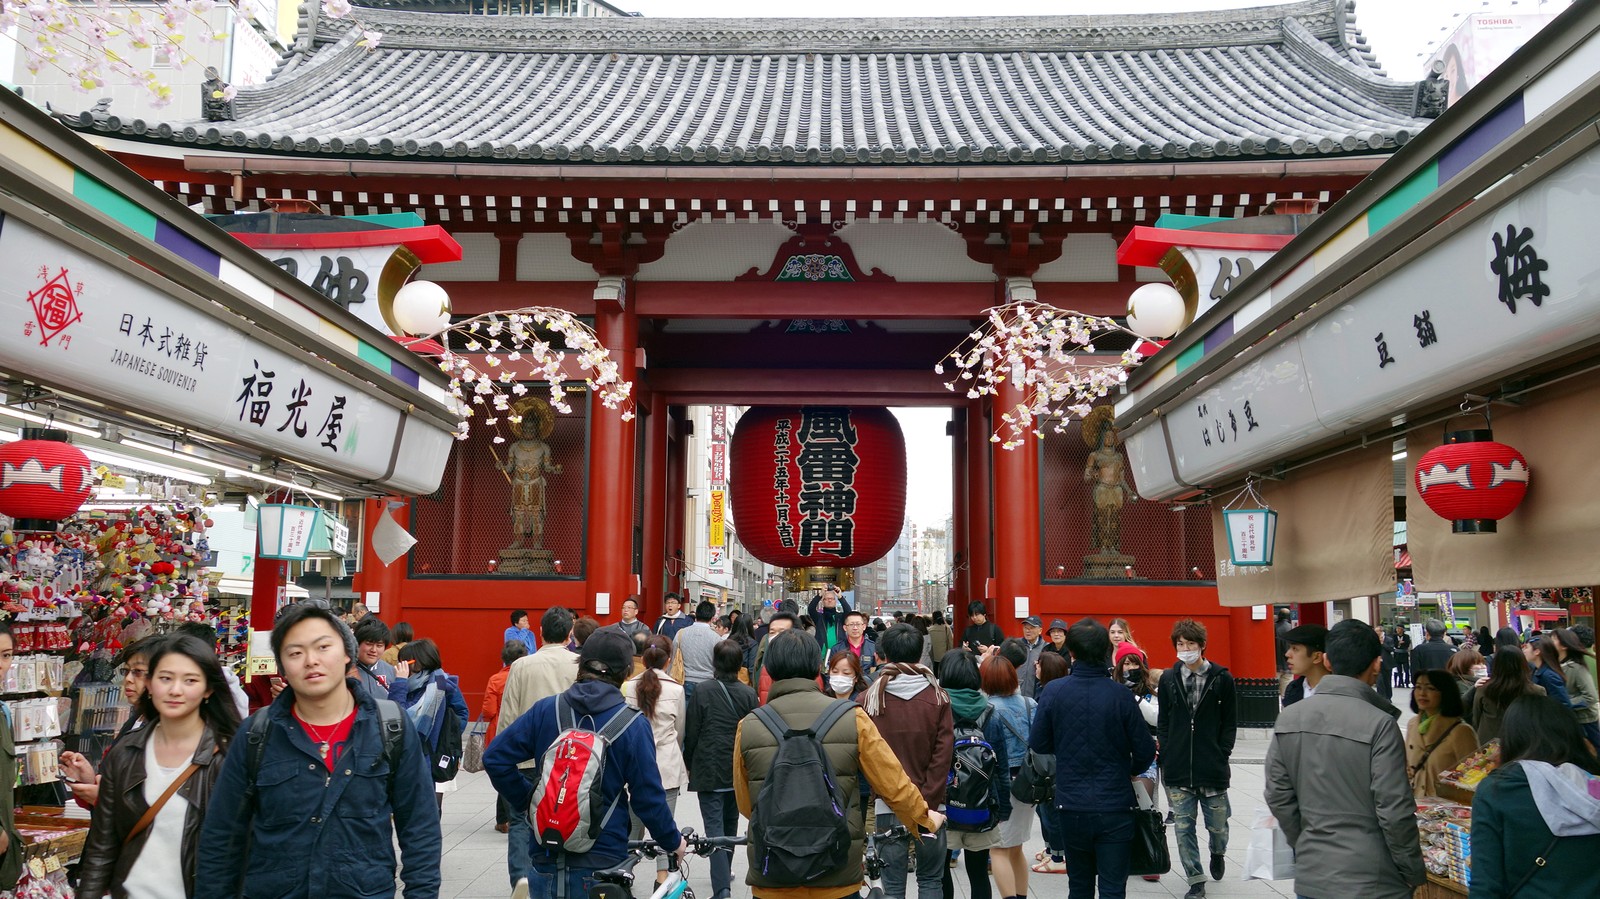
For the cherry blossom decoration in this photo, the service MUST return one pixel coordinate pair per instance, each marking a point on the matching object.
(1050, 354)
(503, 349)
(94, 41)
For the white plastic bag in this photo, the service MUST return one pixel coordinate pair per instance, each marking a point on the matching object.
(1269, 856)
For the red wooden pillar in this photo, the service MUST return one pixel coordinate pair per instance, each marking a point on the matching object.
(609, 566)
(960, 508)
(677, 496)
(654, 557)
(374, 576)
(980, 517)
(1016, 519)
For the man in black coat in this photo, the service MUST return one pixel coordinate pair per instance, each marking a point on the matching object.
(1196, 727)
(1435, 652)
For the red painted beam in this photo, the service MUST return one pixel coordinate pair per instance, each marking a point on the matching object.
(774, 385)
(728, 299)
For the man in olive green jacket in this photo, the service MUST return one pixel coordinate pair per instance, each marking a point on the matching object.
(855, 750)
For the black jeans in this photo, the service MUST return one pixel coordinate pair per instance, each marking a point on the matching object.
(1099, 846)
(720, 814)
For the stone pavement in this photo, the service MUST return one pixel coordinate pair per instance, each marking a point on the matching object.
(475, 855)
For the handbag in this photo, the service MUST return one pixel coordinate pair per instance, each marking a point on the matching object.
(1036, 779)
(1150, 855)
(472, 755)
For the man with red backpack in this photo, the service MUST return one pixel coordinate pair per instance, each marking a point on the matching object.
(589, 745)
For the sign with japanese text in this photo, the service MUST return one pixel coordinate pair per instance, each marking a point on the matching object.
(1512, 286)
(82, 324)
(717, 539)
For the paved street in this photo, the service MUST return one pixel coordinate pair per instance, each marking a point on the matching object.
(475, 866)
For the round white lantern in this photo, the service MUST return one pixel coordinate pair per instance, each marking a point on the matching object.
(422, 307)
(1156, 311)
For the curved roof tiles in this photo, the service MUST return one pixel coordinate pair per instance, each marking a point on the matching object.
(1276, 81)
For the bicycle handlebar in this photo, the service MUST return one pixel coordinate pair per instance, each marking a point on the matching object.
(696, 844)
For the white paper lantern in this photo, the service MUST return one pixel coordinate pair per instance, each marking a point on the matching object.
(422, 307)
(1156, 311)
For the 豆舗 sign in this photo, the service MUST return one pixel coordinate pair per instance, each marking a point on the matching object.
(91, 328)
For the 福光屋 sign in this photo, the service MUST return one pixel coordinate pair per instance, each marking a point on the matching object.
(1512, 286)
(82, 324)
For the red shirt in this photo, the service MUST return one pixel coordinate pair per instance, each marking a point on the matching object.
(330, 738)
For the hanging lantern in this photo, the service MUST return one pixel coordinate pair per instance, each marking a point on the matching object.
(819, 488)
(43, 478)
(1472, 480)
(1156, 311)
(1252, 536)
(286, 531)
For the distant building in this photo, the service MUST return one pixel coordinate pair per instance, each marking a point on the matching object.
(1482, 42)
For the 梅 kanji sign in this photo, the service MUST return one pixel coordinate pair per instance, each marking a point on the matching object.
(818, 485)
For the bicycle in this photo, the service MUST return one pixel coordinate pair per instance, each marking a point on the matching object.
(617, 883)
(873, 863)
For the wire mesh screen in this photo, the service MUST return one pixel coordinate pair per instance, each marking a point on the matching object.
(535, 483)
(1093, 526)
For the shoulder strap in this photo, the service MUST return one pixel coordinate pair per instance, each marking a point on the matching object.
(1013, 728)
(149, 816)
(769, 716)
(389, 714)
(618, 723)
(830, 716)
(1539, 861)
(728, 698)
(256, 738)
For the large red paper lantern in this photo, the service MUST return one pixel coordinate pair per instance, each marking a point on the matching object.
(1472, 480)
(818, 486)
(43, 479)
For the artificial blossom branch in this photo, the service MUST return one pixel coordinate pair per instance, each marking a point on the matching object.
(1046, 353)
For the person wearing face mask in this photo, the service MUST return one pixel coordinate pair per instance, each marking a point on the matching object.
(1196, 728)
(1136, 675)
(844, 679)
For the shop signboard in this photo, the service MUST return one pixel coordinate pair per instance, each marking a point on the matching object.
(86, 326)
(286, 531)
(1252, 535)
(1508, 288)
(717, 539)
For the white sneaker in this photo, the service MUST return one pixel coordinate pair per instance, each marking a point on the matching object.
(520, 891)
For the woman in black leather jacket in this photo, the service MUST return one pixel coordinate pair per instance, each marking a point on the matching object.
(170, 764)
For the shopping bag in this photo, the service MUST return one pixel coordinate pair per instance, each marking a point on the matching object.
(472, 755)
(1150, 855)
(1269, 856)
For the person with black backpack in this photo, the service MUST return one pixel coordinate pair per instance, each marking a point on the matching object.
(978, 794)
(434, 702)
(798, 762)
(316, 787)
(589, 746)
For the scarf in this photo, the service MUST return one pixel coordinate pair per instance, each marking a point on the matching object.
(426, 711)
(967, 705)
(1423, 722)
(872, 700)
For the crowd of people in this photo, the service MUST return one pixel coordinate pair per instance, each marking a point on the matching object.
(849, 726)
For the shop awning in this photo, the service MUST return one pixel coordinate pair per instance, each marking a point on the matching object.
(238, 586)
(1389, 306)
(138, 314)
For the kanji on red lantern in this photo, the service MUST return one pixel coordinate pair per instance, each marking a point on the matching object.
(818, 485)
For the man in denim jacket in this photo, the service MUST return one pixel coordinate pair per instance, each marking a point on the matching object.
(327, 800)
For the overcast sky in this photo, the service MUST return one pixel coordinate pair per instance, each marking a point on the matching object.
(1397, 30)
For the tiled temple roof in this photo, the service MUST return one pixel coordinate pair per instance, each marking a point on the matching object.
(1280, 81)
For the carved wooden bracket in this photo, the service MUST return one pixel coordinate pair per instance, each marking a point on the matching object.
(615, 251)
(815, 255)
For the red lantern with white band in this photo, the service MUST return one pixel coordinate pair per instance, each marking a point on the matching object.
(1472, 480)
(43, 480)
(820, 488)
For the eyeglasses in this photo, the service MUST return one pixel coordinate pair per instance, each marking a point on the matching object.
(134, 673)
